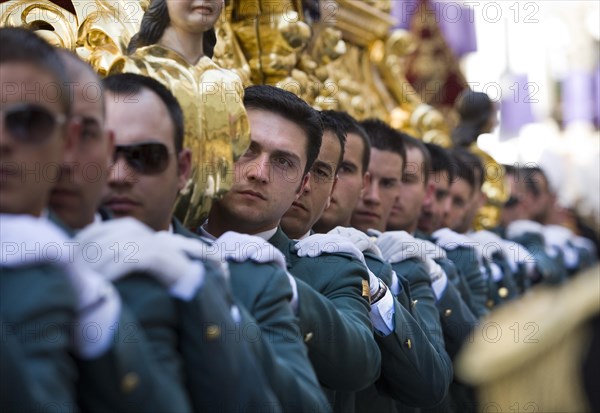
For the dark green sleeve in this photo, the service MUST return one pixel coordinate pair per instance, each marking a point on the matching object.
(550, 270)
(412, 369)
(216, 363)
(16, 383)
(264, 290)
(37, 305)
(424, 309)
(457, 319)
(457, 280)
(465, 259)
(335, 323)
(127, 377)
(155, 311)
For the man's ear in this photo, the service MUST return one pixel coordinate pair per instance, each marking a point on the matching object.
(73, 131)
(335, 181)
(365, 183)
(110, 146)
(184, 168)
(429, 191)
(300, 190)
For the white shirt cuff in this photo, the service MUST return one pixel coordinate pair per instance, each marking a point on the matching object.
(382, 314)
(439, 286)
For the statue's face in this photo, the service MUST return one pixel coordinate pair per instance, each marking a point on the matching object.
(196, 16)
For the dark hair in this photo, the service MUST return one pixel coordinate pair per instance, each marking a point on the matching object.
(384, 137)
(531, 184)
(292, 108)
(75, 68)
(468, 167)
(410, 142)
(19, 45)
(129, 84)
(154, 23)
(441, 161)
(350, 125)
(333, 125)
(475, 109)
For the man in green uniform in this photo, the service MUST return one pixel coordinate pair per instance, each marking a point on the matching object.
(47, 303)
(152, 353)
(430, 227)
(261, 287)
(332, 289)
(412, 370)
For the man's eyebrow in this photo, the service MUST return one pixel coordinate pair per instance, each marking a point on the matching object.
(321, 164)
(291, 155)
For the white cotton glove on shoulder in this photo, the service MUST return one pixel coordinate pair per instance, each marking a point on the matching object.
(398, 246)
(318, 244)
(561, 237)
(242, 247)
(448, 239)
(557, 235)
(98, 305)
(125, 245)
(362, 241)
(523, 226)
(488, 243)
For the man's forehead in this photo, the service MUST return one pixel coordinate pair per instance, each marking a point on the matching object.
(331, 148)
(392, 166)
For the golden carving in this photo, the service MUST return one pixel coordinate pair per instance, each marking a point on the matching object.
(349, 60)
(211, 98)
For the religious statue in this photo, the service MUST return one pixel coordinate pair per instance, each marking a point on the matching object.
(174, 45)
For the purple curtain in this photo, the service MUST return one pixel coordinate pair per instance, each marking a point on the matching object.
(578, 100)
(456, 22)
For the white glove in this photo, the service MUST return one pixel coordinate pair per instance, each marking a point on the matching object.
(521, 227)
(439, 279)
(317, 244)
(39, 241)
(242, 247)
(397, 246)
(362, 241)
(448, 239)
(27, 240)
(558, 237)
(488, 243)
(121, 246)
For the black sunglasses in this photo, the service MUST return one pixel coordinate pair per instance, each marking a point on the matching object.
(31, 124)
(146, 158)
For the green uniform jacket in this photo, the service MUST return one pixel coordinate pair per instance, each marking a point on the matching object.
(334, 321)
(264, 291)
(465, 259)
(412, 371)
(180, 351)
(551, 270)
(38, 310)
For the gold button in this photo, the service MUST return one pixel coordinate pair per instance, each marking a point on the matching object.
(503, 292)
(448, 312)
(408, 343)
(129, 382)
(308, 337)
(213, 332)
